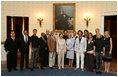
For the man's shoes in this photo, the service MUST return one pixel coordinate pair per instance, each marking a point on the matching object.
(9, 70)
(36, 67)
(51, 67)
(21, 69)
(97, 72)
(27, 67)
(91, 70)
(15, 69)
(42, 68)
(31, 69)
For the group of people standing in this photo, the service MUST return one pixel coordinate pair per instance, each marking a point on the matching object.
(61, 49)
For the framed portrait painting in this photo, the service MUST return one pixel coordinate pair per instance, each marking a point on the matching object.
(64, 16)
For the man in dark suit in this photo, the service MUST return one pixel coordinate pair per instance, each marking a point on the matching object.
(24, 48)
(42, 50)
(11, 47)
(47, 34)
(65, 36)
(47, 51)
(74, 37)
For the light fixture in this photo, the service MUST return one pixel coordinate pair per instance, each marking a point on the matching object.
(40, 19)
(87, 18)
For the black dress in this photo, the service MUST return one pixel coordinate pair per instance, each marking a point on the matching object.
(107, 57)
(90, 57)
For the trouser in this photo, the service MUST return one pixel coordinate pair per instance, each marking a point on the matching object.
(65, 60)
(89, 61)
(11, 60)
(56, 60)
(26, 55)
(42, 58)
(74, 62)
(98, 61)
(61, 59)
(52, 56)
(46, 58)
(80, 55)
(34, 57)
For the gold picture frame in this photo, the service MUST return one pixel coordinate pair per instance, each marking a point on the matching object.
(61, 23)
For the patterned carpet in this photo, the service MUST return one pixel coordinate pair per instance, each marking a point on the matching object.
(53, 72)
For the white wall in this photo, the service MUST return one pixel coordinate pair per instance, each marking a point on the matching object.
(32, 8)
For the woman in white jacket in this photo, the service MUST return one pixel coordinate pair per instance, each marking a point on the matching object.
(70, 49)
(61, 50)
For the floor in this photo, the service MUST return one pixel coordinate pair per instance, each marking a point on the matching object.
(53, 72)
(113, 67)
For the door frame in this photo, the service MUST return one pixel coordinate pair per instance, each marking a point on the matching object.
(112, 13)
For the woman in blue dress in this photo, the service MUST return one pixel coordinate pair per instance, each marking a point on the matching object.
(70, 49)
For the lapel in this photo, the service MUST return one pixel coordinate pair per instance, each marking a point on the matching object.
(43, 39)
(24, 39)
(81, 41)
(12, 39)
(52, 38)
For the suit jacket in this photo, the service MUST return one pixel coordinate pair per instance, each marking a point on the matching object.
(51, 44)
(11, 45)
(65, 37)
(75, 37)
(24, 47)
(46, 37)
(82, 46)
(61, 45)
(43, 45)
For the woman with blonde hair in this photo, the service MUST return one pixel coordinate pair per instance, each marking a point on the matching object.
(70, 49)
(98, 52)
(108, 50)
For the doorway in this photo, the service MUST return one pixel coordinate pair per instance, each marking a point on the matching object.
(17, 24)
(110, 24)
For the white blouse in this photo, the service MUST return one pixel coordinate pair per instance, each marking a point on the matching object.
(61, 45)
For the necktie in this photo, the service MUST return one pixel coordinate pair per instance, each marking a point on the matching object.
(26, 39)
(13, 39)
